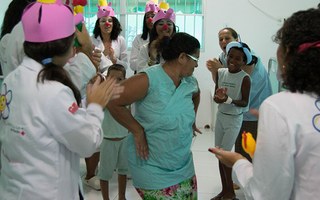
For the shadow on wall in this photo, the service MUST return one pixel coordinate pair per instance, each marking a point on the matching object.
(214, 109)
(272, 73)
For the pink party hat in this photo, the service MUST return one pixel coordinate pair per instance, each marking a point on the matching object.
(78, 18)
(47, 20)
(151, 6)
(161, 14)
(104, 9)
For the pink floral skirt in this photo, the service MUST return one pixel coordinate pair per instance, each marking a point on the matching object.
(186, 190)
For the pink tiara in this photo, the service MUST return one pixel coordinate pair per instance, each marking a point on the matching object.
(44, 22)
(151, 6)
(161, 14)
(105, 11)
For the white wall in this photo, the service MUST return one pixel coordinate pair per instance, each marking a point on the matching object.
(3, 8)
(256, 28)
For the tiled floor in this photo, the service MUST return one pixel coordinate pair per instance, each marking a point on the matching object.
(206, 170)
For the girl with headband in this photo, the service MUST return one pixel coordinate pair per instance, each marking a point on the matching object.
(232, 94)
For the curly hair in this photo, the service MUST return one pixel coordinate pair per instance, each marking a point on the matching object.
(116, 29)
(302, 68)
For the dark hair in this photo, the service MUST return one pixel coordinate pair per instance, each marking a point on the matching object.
(154, 35)
(232, 31)
(302, 69)
(145, 29)
(117, 67)
(13, 15)
(244, 45)
(51, 71)
(254, 60)
(116, 29)
(180, 43)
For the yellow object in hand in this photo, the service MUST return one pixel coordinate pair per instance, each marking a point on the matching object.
(248, 143)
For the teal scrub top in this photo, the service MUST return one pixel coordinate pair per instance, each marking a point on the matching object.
(167, 115)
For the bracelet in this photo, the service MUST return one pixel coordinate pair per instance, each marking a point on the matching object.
(228, 101)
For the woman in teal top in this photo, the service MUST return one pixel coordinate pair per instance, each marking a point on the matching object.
(166, 98)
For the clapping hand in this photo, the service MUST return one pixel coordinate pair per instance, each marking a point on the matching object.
(213, 65)
(220, 95)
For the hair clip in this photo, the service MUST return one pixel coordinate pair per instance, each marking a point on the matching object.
(46, 61)
(305, 46)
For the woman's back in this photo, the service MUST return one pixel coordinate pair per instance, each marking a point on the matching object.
(289, 128)
(33, 164)
(48, 136)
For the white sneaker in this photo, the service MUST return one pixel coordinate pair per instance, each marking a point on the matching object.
(93, 182)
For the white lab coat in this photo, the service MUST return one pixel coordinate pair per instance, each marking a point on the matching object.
(143, 58)
(81, 70)
(120, 50)
(11, 49)
(286, 162)
(43, 137)
(137, 43)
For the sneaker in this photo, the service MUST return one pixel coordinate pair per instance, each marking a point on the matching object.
(93, 182)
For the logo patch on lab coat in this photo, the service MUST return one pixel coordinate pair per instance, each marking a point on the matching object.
(316, 118)
(5, 100)
(73, 108)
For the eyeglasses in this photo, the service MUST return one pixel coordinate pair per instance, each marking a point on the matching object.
(193, 58)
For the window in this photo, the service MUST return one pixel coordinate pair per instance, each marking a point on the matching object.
(189, 16)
